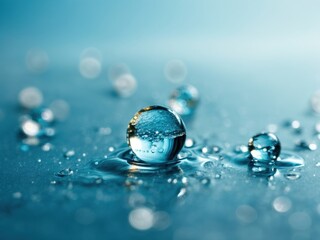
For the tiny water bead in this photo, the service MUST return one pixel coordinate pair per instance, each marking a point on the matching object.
(184, 100)
(156, 135)
(264, 147)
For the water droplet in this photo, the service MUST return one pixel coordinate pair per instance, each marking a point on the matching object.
(104, 131)
(208, 165)
(31, 141)
(246, 214)
(30, 128)
(90, 63)
(210, 149)
(30, 97)
(65, 172)
(90, 67)
(264, 147)
(305, 145)
(315, 102)
(282, 204)
(175, 71)
(44, 116)
(292, 175)
(240, 149)
(184, 100)
(141, 218)
(205, 181)
(156, 127)
(189, 143)
(69, 153)
(125, 85)
(17, 195)
(182, 193)
(47, 147)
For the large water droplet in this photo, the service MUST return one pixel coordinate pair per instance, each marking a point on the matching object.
(184, 100)
(264, 147)
(156, 135)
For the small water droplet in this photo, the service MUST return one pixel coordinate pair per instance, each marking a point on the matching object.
(189, 143)
(184, 100)
(65, 172)
(264, 147)
(292, 175)
(17, 195)
(305, 145)
(182, 193)
(282, 204)
(69, 153)
(240, 149)
(47, 147)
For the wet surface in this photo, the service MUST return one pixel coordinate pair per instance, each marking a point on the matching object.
(70, 178)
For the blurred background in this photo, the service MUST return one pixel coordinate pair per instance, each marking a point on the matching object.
(95, 63)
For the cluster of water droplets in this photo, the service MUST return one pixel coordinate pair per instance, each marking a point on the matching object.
(37, 122)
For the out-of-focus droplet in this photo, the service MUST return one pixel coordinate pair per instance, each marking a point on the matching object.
(141, 218)
(47, 147)
(30, 97)
(305, 145)
(175, 71)
(69, 153)
(125, 85)
(90, 63)
(189, 143)
(184, 100)
(60, 109)
(30, 128)
(43, 116)
(315, 102)
(90, 68)
(240, 148)
(37, 61)
(246, 214)
(282, 204)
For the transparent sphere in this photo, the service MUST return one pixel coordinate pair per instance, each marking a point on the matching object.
(156, 135)
(184, 100)
(264, 147)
